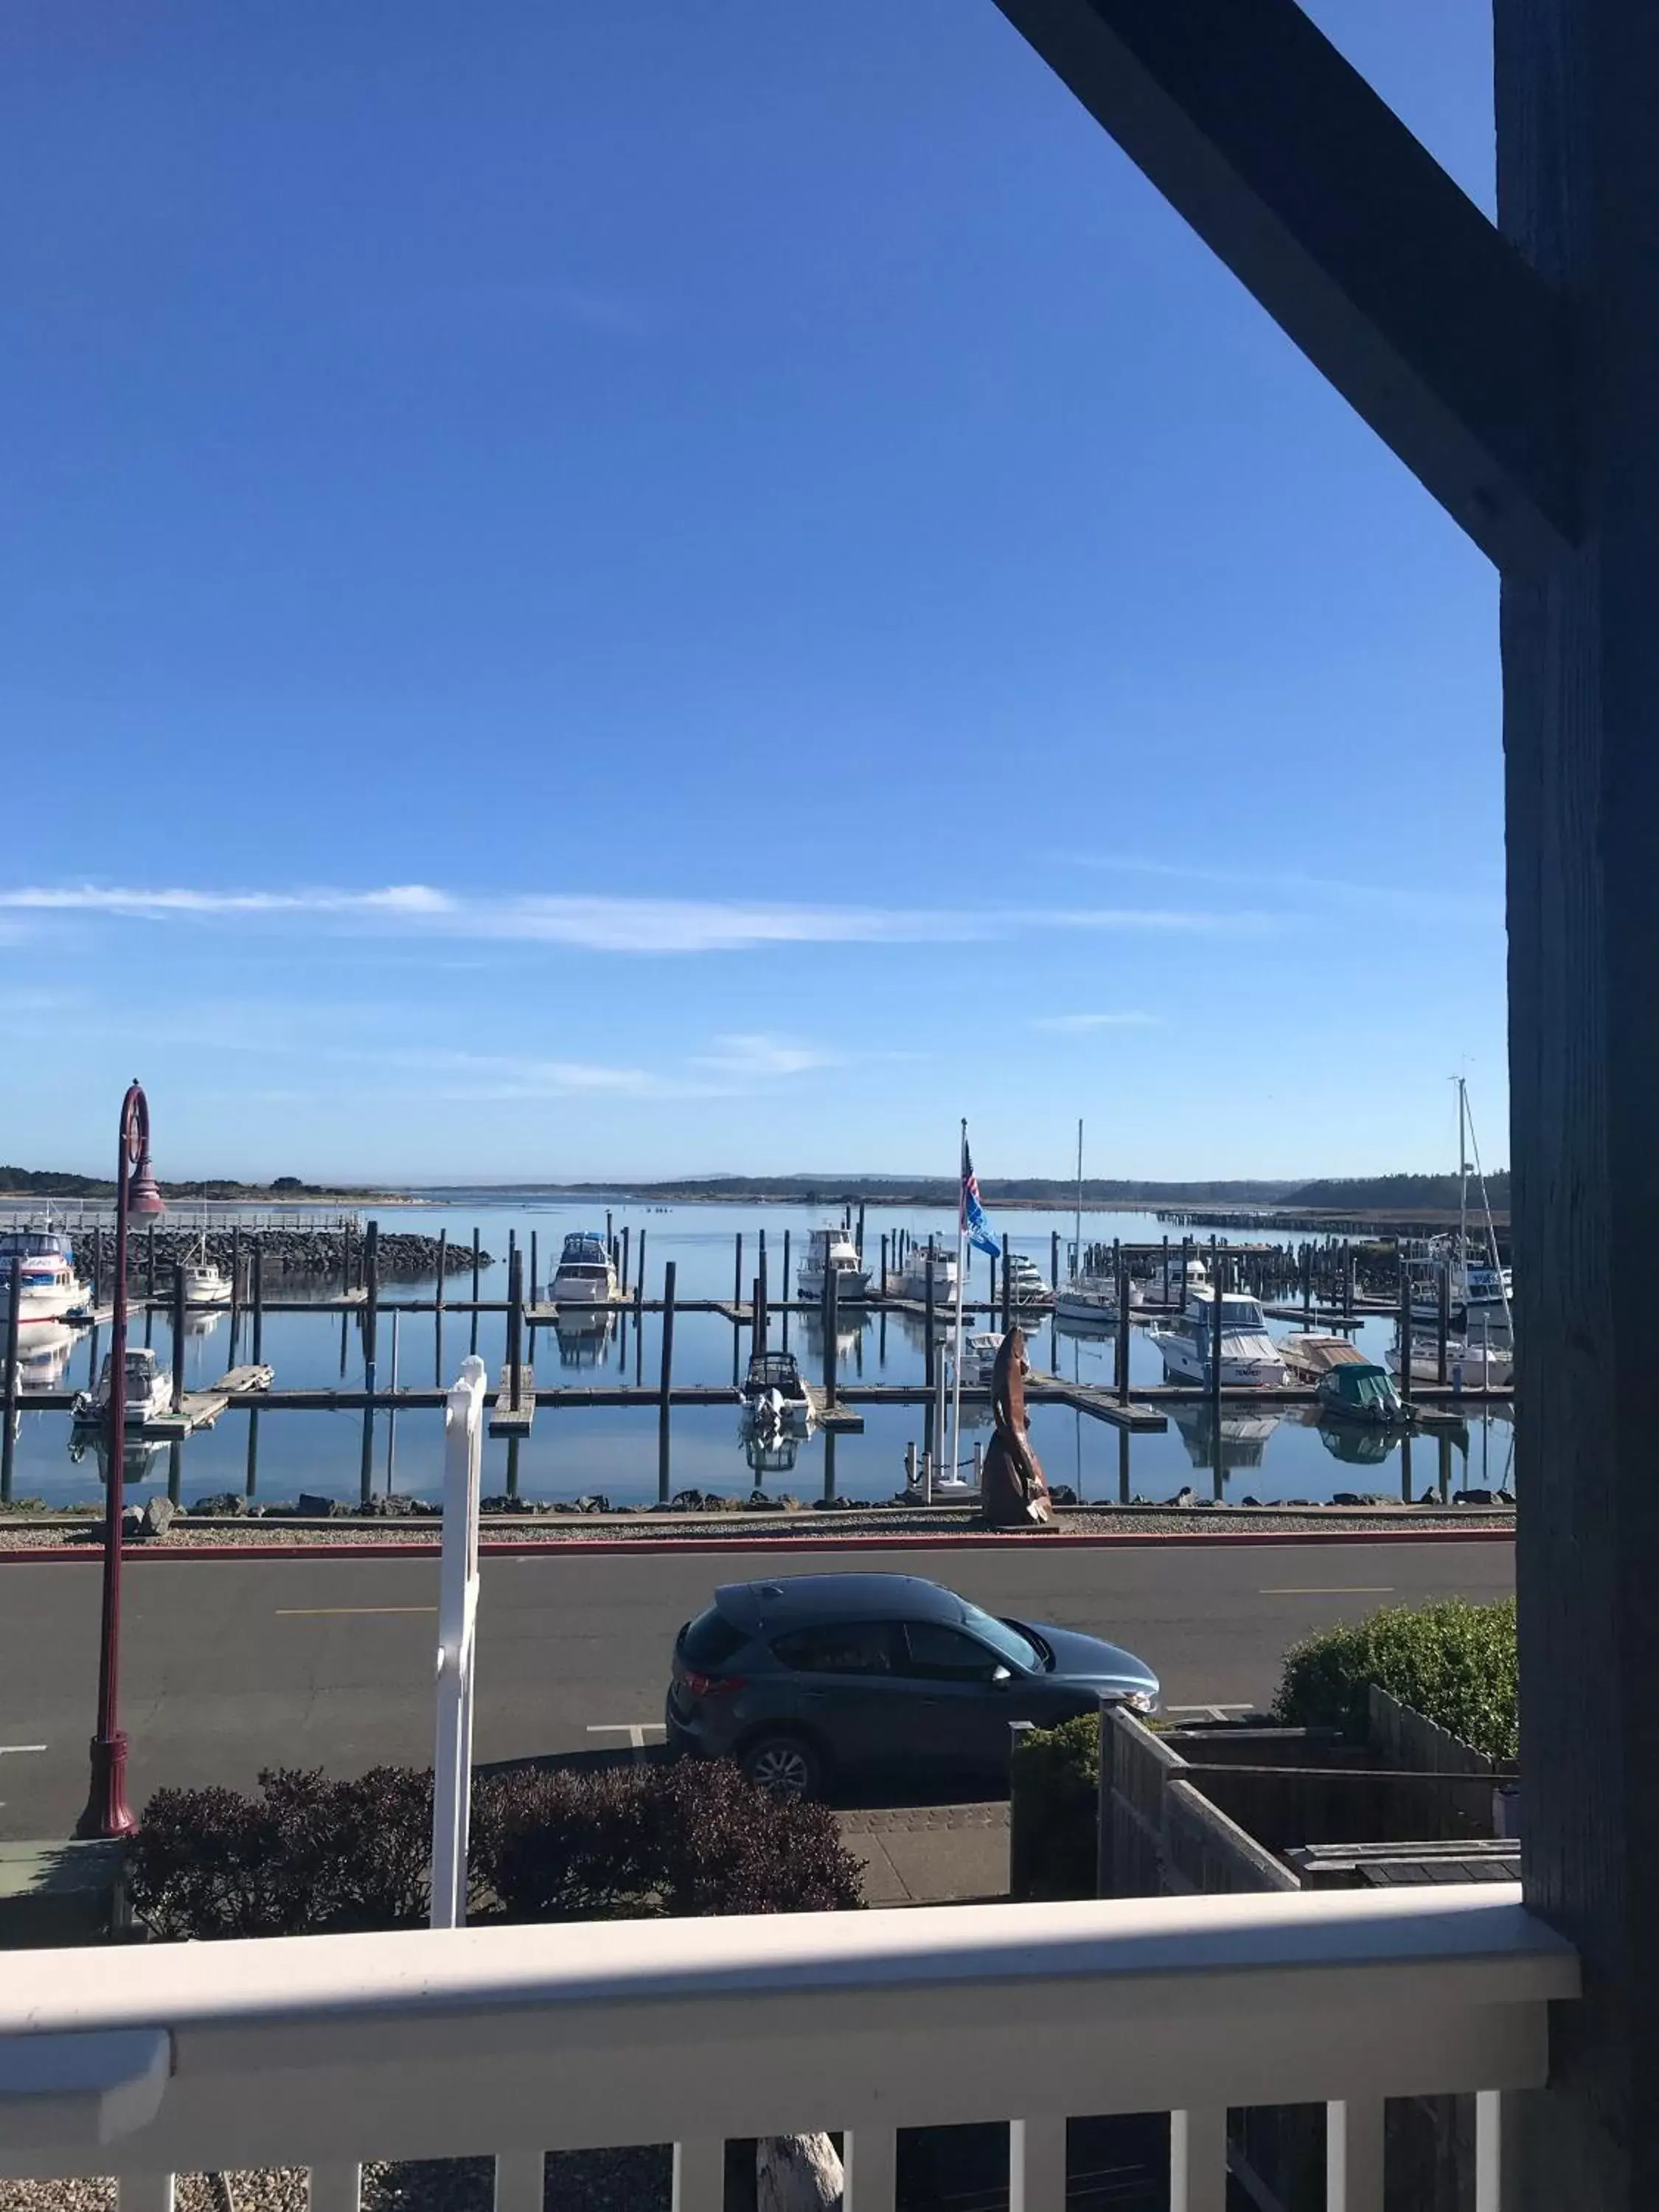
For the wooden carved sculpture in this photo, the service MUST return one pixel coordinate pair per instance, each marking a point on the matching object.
(1014, 1493)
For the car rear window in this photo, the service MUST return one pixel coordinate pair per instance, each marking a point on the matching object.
(710, 1640)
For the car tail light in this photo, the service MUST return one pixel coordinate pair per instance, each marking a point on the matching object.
(713, 1685)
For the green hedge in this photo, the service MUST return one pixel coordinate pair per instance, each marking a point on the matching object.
(1454, 1664)
(1054, 1791)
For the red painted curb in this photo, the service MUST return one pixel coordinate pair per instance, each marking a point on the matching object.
(701, 1547)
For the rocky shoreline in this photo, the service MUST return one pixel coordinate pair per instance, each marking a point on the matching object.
(403, 1255)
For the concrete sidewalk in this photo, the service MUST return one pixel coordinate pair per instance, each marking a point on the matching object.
(930, 1854)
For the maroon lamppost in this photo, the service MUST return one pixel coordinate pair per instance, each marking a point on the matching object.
(136, 1198)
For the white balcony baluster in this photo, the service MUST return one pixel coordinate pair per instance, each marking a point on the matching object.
(700, 2175)
(1036, 2166)
(1353, 2156)
(1494, 2159)
(1198, 2159)
(521, 2180)
(869, 2158)
(336, 2187)
(144, 2192)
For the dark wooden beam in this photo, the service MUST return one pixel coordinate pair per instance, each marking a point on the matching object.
(1356, 241)
(1577, 84)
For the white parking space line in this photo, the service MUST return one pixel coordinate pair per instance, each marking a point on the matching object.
(636, 1731)
(1339, 1589)
(1210, 1712)
(5, 1748)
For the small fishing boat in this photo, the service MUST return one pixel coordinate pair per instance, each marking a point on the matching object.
(1250, 1360)
(206, 1283)
(149, 1390)
(831, 1251)
(48, 1286)
(586, 1274)
(979, 1358)
(1470, 1365)
(774, 1396)
(1358, 1390)
(930, 1260)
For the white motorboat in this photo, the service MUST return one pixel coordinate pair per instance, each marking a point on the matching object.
(831, 1250)
(774, 1396)
(931, 1261)
(48, 1286)
(979, 1358)
(586, 1274)
(148, 1385)
(1250, 1359)
(1026, 1285)
(1470, 1365)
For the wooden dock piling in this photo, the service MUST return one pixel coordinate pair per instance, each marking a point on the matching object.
(831, 1308)
(258, 1346)
(9, 1412)
(663, 1415)
(443, 1263)
(737, 1273)
(1405, 1328)
(1443, 1321)
(1123, 1350)
(178, 1336)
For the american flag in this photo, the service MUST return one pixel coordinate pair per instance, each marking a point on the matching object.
(972, 1214)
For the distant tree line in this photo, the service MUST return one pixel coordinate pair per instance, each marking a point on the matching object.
(1394, 1193)
(47, 1182)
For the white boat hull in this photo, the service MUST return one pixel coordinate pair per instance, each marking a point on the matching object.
(41, 1303)
(1241, 1369)
(581, 1294)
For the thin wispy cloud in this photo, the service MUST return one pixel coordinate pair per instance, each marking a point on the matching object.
(748, 1056)
(609, 924)
(1081, 1024)
(1429, 900)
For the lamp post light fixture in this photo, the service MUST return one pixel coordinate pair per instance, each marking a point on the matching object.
(136, 1198)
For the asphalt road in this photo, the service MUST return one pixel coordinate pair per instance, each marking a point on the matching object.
(230, 1666)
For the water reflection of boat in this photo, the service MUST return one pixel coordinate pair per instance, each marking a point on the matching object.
(139, 1461)
(201, 1321)
(1359, 1443)
(846, 1335)
(584, 1335)
(769, 1455)
(42, 1355)
(1244, 1432)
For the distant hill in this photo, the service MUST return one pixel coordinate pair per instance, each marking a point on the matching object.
(919, 1190)
(1394, 1193)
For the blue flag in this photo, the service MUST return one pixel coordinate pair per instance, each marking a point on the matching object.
(973, 1213)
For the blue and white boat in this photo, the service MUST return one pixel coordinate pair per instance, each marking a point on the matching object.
(48, 1286)
(586, 1274)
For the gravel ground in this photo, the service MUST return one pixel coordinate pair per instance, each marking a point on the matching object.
(38, 1533)
(634, 2179)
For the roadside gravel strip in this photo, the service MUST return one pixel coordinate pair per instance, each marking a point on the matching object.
(68, 1536)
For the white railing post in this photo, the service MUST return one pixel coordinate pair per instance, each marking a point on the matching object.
(334, 2188)
(1494, 2151)
(458, 1614)
(1036, 2166)
(143, 2193)
(521, 2180)
(869, 2165)
(1198, 2159)
(700, 2174)
(1353, 2156)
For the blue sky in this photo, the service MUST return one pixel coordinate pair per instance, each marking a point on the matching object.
(646, 589)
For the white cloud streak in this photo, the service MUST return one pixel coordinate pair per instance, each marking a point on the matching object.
(1081, 1024)
(600, 924)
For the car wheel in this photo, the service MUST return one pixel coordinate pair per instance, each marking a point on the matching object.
(783, 1766)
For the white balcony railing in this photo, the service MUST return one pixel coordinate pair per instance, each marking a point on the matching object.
(324, 2051)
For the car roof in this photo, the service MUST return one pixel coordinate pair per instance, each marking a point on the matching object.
(795, 1600)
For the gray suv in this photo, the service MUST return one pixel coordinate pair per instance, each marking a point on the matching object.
(810, 1674)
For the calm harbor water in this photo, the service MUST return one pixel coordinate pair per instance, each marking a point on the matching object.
(1266, 1452)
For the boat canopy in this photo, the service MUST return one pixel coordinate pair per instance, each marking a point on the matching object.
(584, 1245)
(774, 1371)
(1358, 1388)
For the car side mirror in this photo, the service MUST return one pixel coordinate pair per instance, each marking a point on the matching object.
(1000, 1678)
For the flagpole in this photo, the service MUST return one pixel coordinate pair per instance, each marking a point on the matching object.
(956, 1355)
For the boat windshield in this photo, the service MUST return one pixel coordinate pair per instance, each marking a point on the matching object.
(773, 1371)
(1243, 1313)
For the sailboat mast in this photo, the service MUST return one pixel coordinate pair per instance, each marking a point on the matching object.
(1463, 1190)
(1077, 1235)
(956, 1354)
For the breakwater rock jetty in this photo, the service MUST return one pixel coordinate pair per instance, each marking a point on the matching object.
(401, 1255)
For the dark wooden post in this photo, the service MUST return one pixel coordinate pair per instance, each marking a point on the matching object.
(1007, 1290)
(372, 1297)
(737, 1278)
(1054, 1257)
(345, 1259)
(1405, 1327)
(639, 1278)
(513, 1467)
(831, 1312)
(757, 1319)
(477, 1263)
(251, 1478)
(178, 1336)
(882, 1286)
(665, 1393)
(1216, 1301)
(511, 1261)
(236, 1275)
(259, 1344)
(1307, 1288)
(928, 1354)
(1121, 1361)
(1405, 1491)
(991, 1298)
(628, 1238)
(1442, 1321)
(829, 1463)
(443, 1271)
(535, 1268)
(1347, 1280)
(149, 1262)
(9, 1409)
(760, 1262)
(858, 1241)
(515, 1323)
